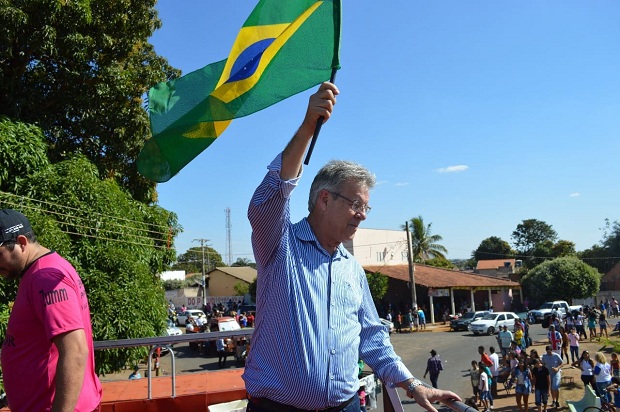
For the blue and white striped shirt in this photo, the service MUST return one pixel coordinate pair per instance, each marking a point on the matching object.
(314, 313)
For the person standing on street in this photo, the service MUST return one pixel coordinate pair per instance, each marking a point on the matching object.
(542, 384)
(433, 368)
(504, 337)
(330, 320)
(47, 356)
(553, 362)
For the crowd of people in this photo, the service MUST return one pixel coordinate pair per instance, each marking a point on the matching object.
(532, 373)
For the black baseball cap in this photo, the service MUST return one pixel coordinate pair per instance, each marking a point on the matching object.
(13, 224)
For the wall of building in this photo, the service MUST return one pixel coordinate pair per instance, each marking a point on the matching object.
(222, 284)
(379, 247)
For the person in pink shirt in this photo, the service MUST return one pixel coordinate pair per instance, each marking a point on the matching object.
(47, 356)
(573, 339)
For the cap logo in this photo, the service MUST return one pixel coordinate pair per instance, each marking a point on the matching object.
(14, 229)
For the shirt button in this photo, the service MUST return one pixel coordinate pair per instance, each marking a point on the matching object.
(331, 377)
(333, 351)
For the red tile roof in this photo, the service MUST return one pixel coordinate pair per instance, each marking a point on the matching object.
(433, 277)
(493, 263)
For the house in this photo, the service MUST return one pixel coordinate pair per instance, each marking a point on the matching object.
(439, 289)
(501, 268)
(378, 246)
(611, 280)
(222, 280)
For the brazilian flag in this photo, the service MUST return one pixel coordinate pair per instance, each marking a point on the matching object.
(284, 47)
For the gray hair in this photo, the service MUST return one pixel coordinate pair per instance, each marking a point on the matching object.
(334, 174)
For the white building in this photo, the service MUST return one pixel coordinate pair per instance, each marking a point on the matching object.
(173, 275)
(378, 247)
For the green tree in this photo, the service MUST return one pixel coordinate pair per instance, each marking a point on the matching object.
(439, 262)
(191, 260)
(118, 251)
(243, 262)
(563, 248)
(80, 70)
(606, 254)
(492, 248)
(530, 233)
(31, 155)
(378, 285)
(241, 288)
(424, 244)
(562, 278)
(252, 289)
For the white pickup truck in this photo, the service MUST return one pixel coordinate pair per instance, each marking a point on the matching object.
(561, 307)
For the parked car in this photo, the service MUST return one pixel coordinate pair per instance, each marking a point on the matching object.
(223, 324)
(389, 325)
(492, 322)
(463, 322)
(247, 309)
(171, 328)
(182, 317)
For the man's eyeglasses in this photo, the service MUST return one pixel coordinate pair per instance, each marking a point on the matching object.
(356, 205)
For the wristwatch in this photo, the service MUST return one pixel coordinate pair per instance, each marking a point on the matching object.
(414, 384)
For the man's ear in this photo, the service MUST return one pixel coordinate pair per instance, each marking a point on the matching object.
(322, 199)
(22, 241)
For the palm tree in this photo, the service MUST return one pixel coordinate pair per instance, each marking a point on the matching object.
(423, 243)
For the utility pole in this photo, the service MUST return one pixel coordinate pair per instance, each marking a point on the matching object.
(204, 282)
(414, 301)
(229, 256)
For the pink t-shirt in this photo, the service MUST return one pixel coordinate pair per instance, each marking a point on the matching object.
(51, 300)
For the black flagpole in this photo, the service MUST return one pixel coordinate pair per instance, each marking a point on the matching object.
(319, 124)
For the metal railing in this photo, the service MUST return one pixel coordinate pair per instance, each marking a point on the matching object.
(391, 399)
(167, 342)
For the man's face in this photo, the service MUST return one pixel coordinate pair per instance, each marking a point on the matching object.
(11, 261)
(342, 218)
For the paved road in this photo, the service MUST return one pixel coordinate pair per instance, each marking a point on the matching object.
(456, 349)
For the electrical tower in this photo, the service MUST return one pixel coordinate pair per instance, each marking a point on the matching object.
(229, 255)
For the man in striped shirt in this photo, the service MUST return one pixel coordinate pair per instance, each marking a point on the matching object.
(314, 315)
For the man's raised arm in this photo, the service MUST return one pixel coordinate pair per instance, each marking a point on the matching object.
(321, 104)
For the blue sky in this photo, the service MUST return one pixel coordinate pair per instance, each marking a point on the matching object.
(475, 115)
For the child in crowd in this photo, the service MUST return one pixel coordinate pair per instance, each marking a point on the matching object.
(615, 365)
(592, 325)
(474, 375)
(564, 344)
(573, 340)
(362, 395)
(483, 386)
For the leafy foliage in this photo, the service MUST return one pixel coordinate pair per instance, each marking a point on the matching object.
(118, 251)
(561, 278)
(243, 262)
(22, 152)
(530, 233)
(606, 255)
(492, 248)
(424, 244)
(252, 289)
(439, 262)
(173, 284)
(80, 70)
(191, 260)
(378, 285)
(241, 288)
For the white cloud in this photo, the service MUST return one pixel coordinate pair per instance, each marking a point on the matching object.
(576, 194)
(402, 184)
(453, 169)
(381, 183)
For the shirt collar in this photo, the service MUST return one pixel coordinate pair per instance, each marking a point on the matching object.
(304, 233)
